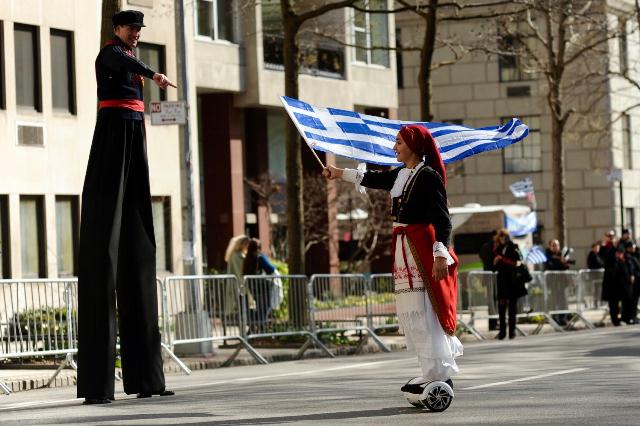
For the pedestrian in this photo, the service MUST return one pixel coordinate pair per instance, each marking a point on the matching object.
(594, 261)
(625, 239)
(507, 258)
(628, 276)
(256, 263)
(612, 290)
(425, 269)
(117, 243)
(234, 257)
(486, 252)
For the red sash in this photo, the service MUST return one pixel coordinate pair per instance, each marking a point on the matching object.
(443, 294)
(132, 104)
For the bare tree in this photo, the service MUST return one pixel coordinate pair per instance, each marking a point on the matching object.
(560, 39)
(293, 17)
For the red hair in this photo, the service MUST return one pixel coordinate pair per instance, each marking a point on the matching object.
(420, 141)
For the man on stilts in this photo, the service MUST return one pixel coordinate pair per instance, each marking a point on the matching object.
(117, 243)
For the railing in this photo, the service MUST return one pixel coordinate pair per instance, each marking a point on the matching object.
(39, 317)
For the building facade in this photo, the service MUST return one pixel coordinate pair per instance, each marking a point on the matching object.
(47, 115)
(484, 90)
(234, 58)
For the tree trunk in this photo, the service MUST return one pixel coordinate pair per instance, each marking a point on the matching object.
(557, 129)
(426, 58)
(295, 212)
(109, 8)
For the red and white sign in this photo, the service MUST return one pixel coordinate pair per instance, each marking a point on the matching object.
(168, 112)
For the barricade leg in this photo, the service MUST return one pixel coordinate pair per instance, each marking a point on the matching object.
(68, 362)
(5, 389)
(471, 329)
(177, 360)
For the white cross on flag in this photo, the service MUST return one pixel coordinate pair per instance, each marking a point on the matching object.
(522, 188)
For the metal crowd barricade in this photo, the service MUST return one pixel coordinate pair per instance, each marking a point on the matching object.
(562, 296)
(204, 308)
(267, 315)
(477, 298)
(38, 318)
(381, 305)
(590, 287)
(534, 303)
(341, 302)
(465, 316)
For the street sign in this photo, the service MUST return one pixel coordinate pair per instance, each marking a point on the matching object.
(614, 175)
(168, 112)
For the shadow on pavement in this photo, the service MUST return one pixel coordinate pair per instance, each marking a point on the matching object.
(343, 415)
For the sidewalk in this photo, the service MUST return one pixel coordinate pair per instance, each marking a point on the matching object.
(21, 379)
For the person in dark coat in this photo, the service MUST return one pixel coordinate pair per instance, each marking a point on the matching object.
(117, 243)
(593, 258)
(256, 263)
(486, 252)
(507, 257)
(557, 287)
(611, 290)
(628, 274)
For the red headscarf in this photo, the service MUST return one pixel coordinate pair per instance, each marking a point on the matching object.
(420, 141)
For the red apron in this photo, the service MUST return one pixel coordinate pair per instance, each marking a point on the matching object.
(443, 294)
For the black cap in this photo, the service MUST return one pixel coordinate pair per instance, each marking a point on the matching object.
(626, 231)
(133, 18)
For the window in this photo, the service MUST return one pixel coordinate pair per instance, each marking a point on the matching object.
(152, 55)
(317, 56)
(27, 47)
(5, 258)
(3, 105)
(512, 63)
(161, 207)
(67, 235)
(627, 147)
(63, 91)
(32, 232)
(525, 156)
(623, 48)
(215, 19)
(630, 220)
(371, 33)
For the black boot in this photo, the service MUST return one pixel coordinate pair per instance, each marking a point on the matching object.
(160, 393)
(93, 401)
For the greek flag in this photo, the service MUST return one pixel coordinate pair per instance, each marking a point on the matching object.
(370, 139)
(536, 256)
(519, 226)
(522, 188)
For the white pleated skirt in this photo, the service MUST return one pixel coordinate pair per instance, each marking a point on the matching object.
(436, 350)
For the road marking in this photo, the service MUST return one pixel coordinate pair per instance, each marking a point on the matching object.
(219, 382)
(525, 379)
(296, 373)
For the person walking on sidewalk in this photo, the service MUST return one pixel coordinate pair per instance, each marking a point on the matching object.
(425, 268)
(117, 242)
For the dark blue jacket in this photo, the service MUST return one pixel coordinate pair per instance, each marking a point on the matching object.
(119, 75)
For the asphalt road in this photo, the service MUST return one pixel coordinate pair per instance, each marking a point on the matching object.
(587, 377)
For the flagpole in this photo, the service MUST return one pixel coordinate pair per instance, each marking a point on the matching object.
(315, 155)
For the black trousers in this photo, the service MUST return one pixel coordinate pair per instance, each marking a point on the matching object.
(117, 263)
(512, 304)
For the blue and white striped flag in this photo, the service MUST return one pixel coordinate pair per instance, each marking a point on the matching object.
(536, 255)
(522, 188)
(370, 139)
